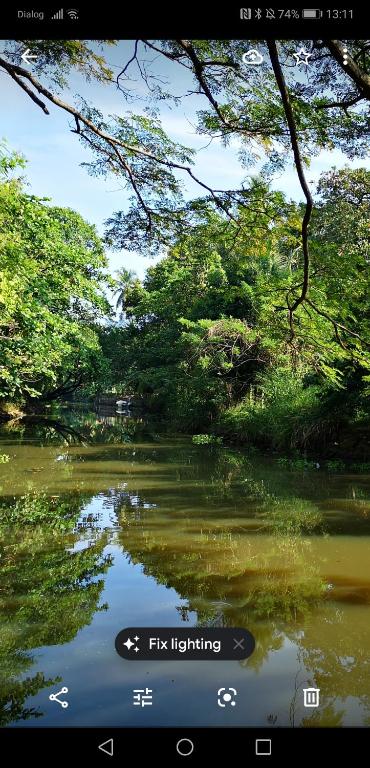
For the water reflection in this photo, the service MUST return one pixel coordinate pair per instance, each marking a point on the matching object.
(241, 541)
(80, 425)
(48, 591)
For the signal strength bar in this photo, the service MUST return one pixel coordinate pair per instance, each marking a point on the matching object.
(59, 15)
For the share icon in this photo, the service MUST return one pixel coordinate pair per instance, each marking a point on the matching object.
(54, 697)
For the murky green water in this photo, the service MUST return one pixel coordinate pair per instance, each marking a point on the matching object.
(135, 528)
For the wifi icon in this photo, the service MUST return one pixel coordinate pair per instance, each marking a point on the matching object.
(73, 14)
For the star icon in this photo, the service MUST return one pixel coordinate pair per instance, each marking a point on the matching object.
(302, 57)
(129, 644)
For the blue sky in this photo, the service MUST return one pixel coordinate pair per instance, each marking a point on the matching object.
(55, 154)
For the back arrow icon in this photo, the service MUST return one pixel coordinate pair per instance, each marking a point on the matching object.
(107, 747)
(28, 55)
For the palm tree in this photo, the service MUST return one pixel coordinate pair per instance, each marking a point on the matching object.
(126, 278)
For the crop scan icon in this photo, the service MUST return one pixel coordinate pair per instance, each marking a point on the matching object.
(226, 697)
(311, 697)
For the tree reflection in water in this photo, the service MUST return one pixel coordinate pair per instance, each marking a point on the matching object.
(242, 545)
(263, 574)
(48, 591)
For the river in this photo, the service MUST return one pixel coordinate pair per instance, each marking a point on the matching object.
(125, 525)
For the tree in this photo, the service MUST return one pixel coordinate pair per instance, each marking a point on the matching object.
(284, 118)
(209, 320)
(125, 280)
(51, 295)
(248, 280)
(196, 334)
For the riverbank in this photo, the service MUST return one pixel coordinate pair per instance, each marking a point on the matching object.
(348, 445)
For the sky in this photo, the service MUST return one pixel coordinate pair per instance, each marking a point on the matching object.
(55, 154)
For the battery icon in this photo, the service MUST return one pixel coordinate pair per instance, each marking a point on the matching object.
(311, 13)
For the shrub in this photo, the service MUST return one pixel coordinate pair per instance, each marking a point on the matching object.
(206, 440)
(284, 414)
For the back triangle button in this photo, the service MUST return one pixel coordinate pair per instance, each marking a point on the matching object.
(107, 747)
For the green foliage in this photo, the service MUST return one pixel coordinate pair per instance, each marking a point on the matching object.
(52, 271)
(296, 463)
(335, 465)
(205, 339)
(252, 115)
(361, 466)
(190, 345)
(55, 59)
(206, 440)
(36, 509)
(4, 458)
(282, 416)
(294, 517)
(48, 592)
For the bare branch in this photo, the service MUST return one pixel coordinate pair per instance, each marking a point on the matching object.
(125, 68)
(198, 68)
(13, 74)
(340, 104)
(289, 114)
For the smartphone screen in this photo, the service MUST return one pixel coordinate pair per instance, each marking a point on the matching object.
(184, 383)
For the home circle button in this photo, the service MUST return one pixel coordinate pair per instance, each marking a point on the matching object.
(185, 747)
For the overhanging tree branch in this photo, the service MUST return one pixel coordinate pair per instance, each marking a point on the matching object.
(352, 69)
(199, 68)
(17, 77)
(289, 114)
(345, 104)
(20, 74)
(337, 326)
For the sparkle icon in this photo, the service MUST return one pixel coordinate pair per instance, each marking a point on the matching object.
(302, 57)
(130, 644)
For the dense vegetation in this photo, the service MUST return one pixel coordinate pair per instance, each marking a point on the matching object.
(254, 324)
(206, 335)
(51, 294)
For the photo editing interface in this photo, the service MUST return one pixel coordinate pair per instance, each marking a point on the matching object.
(184, 383)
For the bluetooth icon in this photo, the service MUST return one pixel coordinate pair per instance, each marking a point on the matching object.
(258, 13)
